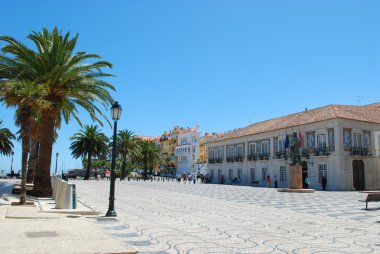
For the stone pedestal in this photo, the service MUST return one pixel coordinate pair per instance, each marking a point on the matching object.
(295, 177)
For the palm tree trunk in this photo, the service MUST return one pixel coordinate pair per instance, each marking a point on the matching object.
(88, 171)
(145, 167)
(42, 185)
(24, 162)
(33, 158)
(123, 168)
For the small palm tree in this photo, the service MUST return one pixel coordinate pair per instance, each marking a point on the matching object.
(150, 155)
(126, 145)
(87, 143)
(6, 137)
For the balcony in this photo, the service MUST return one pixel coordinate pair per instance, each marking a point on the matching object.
(230, 159)
(219, 160)
(263, 156)
(252, 157)
(280, 155)
(322, 151)
(360, 151)
(239, 158)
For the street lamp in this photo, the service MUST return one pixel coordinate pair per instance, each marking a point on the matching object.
(12, 161)
(56, 162)
(115, 113)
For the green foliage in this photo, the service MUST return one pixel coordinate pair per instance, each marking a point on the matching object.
(6, 137)
(89, 141)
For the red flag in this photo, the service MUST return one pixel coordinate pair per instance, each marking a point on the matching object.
(300, 138)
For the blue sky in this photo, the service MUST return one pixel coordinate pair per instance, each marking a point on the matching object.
(219, 64)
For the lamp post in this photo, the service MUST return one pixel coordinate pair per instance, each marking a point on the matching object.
(56, 162)
(115, 112)
(12, 161)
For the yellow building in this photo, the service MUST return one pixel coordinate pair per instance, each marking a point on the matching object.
(168, 143)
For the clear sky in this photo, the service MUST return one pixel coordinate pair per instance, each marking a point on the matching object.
(219, 64)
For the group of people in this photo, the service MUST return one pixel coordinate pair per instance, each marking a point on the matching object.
(107, 174)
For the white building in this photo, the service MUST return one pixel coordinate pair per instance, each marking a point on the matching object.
(339, 142)
(187, 150)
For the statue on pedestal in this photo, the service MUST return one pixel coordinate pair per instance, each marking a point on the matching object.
(295, 154)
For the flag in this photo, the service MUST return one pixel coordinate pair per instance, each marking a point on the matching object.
(286, 141)
(300, 138)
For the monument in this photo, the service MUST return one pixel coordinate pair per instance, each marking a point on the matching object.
(295, 168)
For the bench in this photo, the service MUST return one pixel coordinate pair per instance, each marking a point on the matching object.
(371, 197)
(254, 183)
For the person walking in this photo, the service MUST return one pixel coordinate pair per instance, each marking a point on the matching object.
(324, 182)
(108, 174)
(275, 181)
(307, 182)
(268, 180)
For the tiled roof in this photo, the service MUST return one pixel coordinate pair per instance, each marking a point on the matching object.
(368, 113)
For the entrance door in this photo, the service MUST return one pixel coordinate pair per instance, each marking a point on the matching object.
(358, 174)
(304, 175)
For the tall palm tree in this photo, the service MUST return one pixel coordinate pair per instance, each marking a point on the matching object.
(126, 145)
(6, 137)
(70, 79)
(89, 142)
(150, 155)
(28, 98)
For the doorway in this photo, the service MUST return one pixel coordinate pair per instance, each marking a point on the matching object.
(358, 174)
(304, 175)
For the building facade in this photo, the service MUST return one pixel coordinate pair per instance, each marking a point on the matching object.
(341, 143)
(187, 150)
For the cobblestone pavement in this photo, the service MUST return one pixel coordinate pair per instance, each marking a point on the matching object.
(174, 217)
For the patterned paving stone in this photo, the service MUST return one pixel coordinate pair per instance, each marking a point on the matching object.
(168, 217)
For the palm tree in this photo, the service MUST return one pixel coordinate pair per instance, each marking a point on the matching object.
(150, 155)
(70, 79)
(28, 98)
(126, 145)
(89, 142)
(6, 137)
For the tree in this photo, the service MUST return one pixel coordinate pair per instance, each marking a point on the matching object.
(150, 155)
(6, 137)
(70, 79)
(89, 142)
(28, 98)
(126, 145)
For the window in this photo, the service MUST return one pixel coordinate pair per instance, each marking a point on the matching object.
(366, 140)
(282, 173)
(252, 149)
(230, 175)
(321, 142)
(322, 168)
(264, 148)
(239, 150)
(212, 154)
(253, 174)
(230, 151)
(219, 153)
(239, 173)
(281, 146)
(212, 173)
(357, 140)
(265, 173)
(193, 149)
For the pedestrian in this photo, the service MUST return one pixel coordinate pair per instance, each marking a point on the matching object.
(194, 178)
(307, 182)
(275, 181)
(324, 182)
(96, 175)
(268, 180)
(108, 173)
